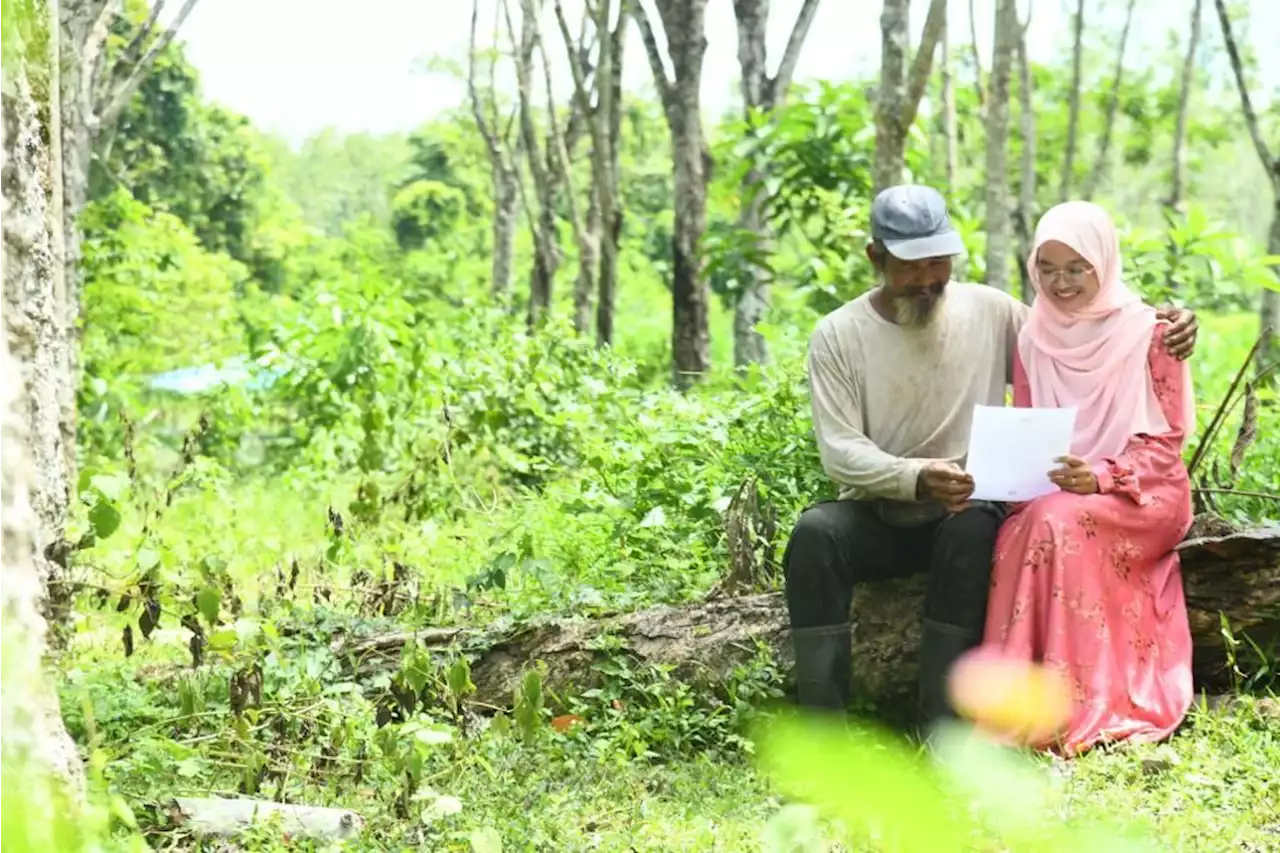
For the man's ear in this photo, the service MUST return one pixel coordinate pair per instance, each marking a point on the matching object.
(871, 254)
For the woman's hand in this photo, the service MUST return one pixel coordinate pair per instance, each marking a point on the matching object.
(1074, 476)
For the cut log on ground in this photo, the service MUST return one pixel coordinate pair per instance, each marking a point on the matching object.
(228, 818)
(1236, 575)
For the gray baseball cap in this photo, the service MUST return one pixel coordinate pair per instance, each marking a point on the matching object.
(911, 220)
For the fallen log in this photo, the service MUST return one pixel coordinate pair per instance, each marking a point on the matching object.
(1236, 575)
(231, 818)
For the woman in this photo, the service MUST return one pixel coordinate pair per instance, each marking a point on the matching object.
(1086, 579)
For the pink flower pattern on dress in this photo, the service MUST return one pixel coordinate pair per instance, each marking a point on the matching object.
(1091, 585)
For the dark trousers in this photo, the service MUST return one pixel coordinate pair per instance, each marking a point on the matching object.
(838, 544)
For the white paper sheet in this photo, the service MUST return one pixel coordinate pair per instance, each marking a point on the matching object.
(1012, 451)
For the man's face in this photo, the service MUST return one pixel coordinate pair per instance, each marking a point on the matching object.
(913, 288)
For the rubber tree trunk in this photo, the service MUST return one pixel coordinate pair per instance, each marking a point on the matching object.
(610, 125)
(1100, 163)
(684, 23)
(1073, 101)
(999, 220)
(891, 94)
(1185, 86)
(1026, 215)
(35, 371)
(761, 93)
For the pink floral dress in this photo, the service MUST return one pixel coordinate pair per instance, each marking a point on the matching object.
(1090, 584)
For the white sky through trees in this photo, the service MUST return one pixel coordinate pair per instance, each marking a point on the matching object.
(296, 67)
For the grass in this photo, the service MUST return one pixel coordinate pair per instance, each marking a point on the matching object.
(164, 729)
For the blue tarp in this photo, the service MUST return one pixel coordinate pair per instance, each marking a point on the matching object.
(206, 377)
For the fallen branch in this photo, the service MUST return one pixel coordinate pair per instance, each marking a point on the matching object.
(229, 818)
(1236, 575)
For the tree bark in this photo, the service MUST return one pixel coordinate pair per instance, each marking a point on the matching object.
(684, 22)
(1100, 163)
(609, 116)
(998, 207)
(1073, 100)
(1269, 314)
(1236, 575)
(546, 255)
(899, 92)
(1027, 177)
(585, 233)
(1184, 106)
(760, 93)
(503, 169)
(35, 365)
(979, 89)
(891, 94)
(950, 131)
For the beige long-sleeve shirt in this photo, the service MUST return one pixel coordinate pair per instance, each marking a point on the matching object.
(887, 399)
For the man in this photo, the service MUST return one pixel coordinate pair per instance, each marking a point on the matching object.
(894, 376)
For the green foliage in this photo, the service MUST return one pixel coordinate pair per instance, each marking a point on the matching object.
(425, 211)
(143, 266)
(403, 454)
(335, 179)
(176, 153)
(1195, 262)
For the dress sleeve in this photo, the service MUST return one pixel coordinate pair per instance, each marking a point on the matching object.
(1149, 458)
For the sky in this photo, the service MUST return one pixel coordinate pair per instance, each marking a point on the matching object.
(296, 67)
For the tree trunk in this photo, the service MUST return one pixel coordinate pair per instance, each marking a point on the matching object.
(998, 207)
(1073, 116)
(504, 167)
(1236, 575)
(609, 110)
(1184, 105)
(1027, 178)
(900, 92)
(760, 93)
(588, 258)
(690, 332)
(891, 94)
(546, 244)
(1269, 315)
(978, 87)
(950, 132)
(506, 198)
(752, 17)
(35, 365)
(1113, 103)
(684, 22)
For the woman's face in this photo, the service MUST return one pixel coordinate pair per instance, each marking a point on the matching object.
(1065, 277)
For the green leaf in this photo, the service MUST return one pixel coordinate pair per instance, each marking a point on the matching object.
(459, 677)
(148, 559)
(105, 519)
(209, 600)
(111, 486)
(486, 840)
(223, 641)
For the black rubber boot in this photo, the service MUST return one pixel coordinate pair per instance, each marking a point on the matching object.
(940, 646)
(824, 667)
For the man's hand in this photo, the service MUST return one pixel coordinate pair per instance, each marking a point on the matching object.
(1074, 476)
(945, 483)
(1180, 337)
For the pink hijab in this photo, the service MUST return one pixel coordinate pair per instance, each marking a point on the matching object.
(1093, 358)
